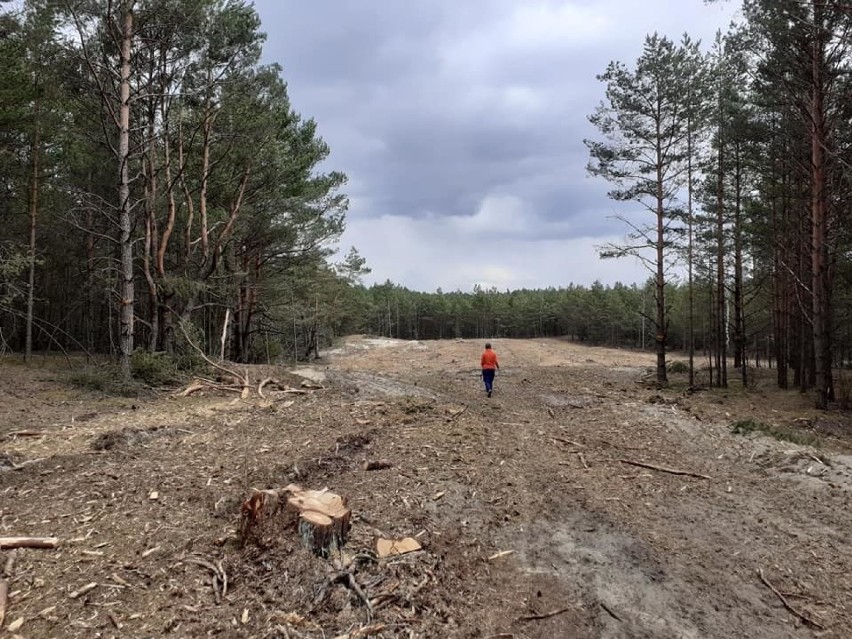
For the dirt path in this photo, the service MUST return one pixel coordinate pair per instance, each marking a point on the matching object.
(533, 521)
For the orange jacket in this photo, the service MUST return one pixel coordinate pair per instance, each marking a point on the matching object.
(489, 359)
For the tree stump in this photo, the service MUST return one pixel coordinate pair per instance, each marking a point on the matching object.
(323, 519)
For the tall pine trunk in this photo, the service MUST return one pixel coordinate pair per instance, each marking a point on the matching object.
(126, 314)
(35, 169)
(721, 337)
(660, 281)
(819, 223)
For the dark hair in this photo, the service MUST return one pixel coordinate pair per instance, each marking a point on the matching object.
(488, 345)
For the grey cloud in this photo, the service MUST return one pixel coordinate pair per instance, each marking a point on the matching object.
(434, 106)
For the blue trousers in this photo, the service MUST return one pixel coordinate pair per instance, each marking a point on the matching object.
(488, 378)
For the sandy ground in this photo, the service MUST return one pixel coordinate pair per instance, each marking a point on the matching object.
(534, 517)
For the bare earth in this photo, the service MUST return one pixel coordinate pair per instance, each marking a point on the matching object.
(532, 519)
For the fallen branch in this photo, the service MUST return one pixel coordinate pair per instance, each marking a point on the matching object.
(455, 415)
(193, 388)
(28, 462)
(546, 615)
(583, 460)
(207, 384)
(28, 433)
(801, 615)
(671, 471)
(28, 542)
(562, 440)
(218, 577)
(610, 612)
(243, 378)
(263, 383)
(348, 579)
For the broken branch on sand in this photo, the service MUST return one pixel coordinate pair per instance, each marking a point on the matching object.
(671, 471)
(456, 414)
(801, 615)
(219, 579)
(546, 615)
(244, 379)
(348, 579)
(28, 542)
(263, 383)
(562, 440)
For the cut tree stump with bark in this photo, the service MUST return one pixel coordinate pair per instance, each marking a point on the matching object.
(323, 518)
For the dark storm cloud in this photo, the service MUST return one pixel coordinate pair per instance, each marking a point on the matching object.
(468, 116)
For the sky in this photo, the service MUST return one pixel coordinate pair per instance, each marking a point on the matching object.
(460, 124)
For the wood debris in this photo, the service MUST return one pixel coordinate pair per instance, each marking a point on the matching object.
(391, 547)
(546, 615)
(798, 613)
(76, 594)
(671, 471)
(219, 579)
(366, 631)
(28, 542)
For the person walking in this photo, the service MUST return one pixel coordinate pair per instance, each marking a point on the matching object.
(489, 364)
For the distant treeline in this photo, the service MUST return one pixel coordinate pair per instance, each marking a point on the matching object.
(617, 315)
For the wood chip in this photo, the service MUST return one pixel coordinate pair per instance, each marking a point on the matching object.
(16, 625)
(391, 547)
(120, 581)
(150, 551)
(502, 553)
(82, 591)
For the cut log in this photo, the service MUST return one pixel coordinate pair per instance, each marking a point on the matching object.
(28, 542)
(323, 519)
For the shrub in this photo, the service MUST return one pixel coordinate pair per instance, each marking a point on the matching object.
(153, 369)
(105, 379)
(748, 426)
(678, 367)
